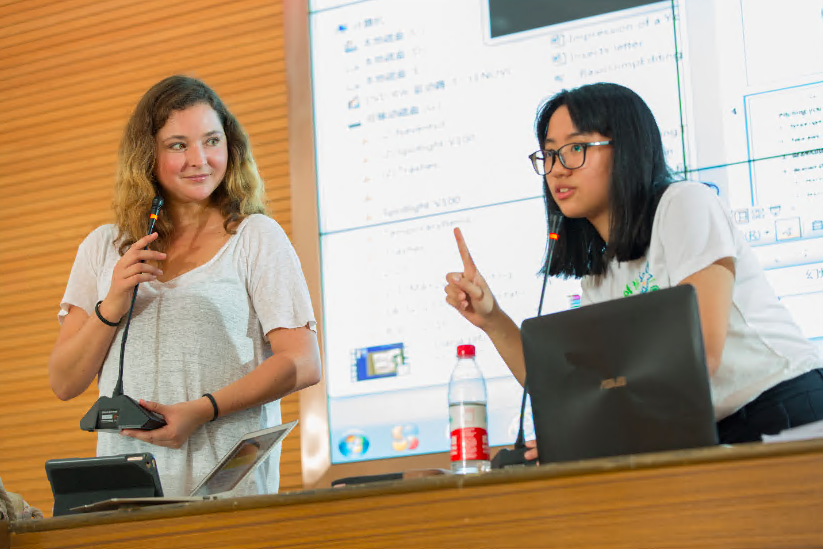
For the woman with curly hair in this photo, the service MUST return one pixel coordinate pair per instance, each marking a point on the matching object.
(222, 326)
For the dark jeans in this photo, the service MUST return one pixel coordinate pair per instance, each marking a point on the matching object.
(792, 403)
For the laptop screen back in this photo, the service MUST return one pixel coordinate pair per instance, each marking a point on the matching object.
(622, 377)
(242, 459)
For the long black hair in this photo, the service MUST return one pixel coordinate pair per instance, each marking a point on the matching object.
(639, 178)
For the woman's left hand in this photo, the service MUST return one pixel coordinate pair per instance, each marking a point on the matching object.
(182, 419)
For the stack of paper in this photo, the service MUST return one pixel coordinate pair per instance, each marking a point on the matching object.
(804, 432)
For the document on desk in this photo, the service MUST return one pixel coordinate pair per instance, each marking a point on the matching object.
(804, 432)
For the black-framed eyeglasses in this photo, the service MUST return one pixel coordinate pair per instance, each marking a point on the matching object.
(572, 156)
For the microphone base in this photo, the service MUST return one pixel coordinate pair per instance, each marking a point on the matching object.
(506, 458)
(111, 414)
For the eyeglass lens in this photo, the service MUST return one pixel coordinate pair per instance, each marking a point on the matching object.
(572, 156)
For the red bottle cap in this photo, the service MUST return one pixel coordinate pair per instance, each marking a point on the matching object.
(465, 351)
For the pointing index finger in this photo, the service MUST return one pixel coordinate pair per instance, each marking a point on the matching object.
(469, 268)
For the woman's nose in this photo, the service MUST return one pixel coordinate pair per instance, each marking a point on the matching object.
(559, 169)
(196, 156)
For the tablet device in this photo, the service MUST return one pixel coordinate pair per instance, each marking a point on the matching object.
(81, 481)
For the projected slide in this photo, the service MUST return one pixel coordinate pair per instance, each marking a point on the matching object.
(757, 132)
(419, 112)
(424, 114)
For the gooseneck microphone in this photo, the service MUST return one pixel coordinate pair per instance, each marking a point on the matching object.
(516, 457)
(111, 414)
(156, 204)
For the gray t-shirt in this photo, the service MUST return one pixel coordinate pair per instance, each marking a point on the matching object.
(195, 334)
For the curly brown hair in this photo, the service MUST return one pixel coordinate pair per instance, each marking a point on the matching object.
(240, 194)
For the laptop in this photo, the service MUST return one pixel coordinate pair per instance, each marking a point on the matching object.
(235, 466)
(622, 377)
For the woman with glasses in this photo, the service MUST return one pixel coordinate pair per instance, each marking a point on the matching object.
(629, 228)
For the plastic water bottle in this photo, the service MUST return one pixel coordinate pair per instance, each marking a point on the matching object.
(467, 415)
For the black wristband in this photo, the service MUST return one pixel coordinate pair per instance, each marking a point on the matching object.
(103, 320)
(213, 405)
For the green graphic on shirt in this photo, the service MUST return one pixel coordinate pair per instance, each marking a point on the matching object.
(644, 282)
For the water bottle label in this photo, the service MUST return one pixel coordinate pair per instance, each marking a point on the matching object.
(469, 438)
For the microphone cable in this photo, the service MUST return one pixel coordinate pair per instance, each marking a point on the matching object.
(555, 222)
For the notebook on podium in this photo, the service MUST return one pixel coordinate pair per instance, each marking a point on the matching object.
(235, 466)
(622, 377)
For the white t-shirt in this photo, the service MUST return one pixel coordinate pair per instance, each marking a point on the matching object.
(692, 229)
(195, 334)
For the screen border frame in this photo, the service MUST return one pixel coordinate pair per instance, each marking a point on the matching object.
(315, 451)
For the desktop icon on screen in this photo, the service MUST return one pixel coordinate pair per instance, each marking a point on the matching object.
(378, 361)
(354, 444)
(405, 437)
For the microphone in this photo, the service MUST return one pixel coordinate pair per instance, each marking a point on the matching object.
(111, 414)
(516, 457)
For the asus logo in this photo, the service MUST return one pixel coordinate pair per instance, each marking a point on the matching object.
(612, 383)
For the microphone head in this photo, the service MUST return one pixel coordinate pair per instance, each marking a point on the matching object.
(555, 221)
(156, 204)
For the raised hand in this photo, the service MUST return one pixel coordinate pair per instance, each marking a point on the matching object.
(130, 270)
(467, 291)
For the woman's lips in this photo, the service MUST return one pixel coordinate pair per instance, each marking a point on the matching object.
(562, 193)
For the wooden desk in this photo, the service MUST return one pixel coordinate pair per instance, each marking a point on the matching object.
(746, 496)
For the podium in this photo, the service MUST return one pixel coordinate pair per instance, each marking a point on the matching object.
(751, 495)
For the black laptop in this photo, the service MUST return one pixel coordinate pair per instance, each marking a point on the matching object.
(622, 377)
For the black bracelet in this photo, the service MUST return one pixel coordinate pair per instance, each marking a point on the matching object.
(103, 320)
(213, 405)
